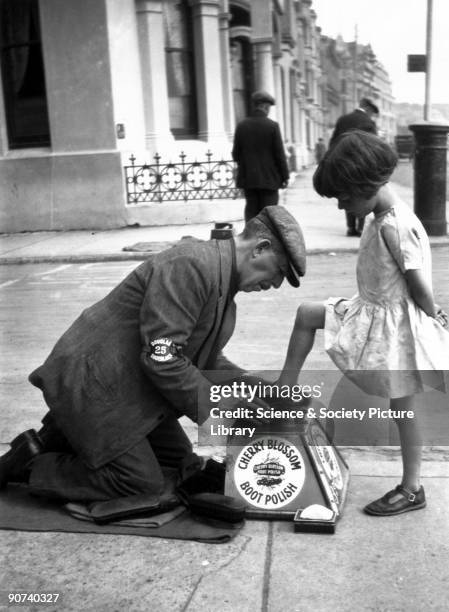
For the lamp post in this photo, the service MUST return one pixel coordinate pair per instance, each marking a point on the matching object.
(430, 162)
(428, 59)
(430, 176)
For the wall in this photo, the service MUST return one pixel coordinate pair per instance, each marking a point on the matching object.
(125, 69)
(78, 182)
(60, 192)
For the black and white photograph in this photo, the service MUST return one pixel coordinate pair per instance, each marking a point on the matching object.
(224, 305)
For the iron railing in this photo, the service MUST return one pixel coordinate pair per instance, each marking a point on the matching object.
(198, 180)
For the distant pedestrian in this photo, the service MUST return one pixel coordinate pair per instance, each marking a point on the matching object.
(360, 119)
(320, 150)
(392, 330)
(259, 152)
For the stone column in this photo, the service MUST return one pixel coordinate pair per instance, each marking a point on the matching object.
(276, 111)
(150, 30)
(264, 65)
(208, 70)
(304, 148)
(262, 41)
(430, 176)
(287, 104)
(228, 105)
(296, 136)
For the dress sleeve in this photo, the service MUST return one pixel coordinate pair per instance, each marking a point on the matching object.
(404, 245)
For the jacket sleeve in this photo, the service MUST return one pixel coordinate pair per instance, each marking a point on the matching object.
(172, 309)
(279, 154)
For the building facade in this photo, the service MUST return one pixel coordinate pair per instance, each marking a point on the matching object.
(88, 84)
(352, 71)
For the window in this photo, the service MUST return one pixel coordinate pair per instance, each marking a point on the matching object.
(242, 76)
(23, 74)
(180, 68)
(242, 60)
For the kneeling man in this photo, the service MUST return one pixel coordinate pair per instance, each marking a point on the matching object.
(120, 377)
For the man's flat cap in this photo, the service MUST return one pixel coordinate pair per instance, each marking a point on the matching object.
(286, 231)
(367, 103)
(262, 96)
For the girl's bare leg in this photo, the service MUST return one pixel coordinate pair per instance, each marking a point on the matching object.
(411, 442)
(411, 496)
(309, 318)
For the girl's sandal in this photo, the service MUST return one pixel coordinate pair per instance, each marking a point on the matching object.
(407, 501)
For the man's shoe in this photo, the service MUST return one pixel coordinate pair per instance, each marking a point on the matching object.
(407, 501)
(353, 232)
(15, 464)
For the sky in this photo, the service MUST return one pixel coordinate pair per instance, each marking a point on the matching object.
(395, 29)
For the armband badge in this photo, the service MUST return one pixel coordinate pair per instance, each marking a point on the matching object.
(163, 349)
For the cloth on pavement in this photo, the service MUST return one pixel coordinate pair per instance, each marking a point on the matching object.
(22, 512)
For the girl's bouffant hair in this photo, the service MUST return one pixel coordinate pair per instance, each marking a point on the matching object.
(357, 164)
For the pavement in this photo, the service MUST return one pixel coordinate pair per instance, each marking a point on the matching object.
(370, 564)
(322, 223)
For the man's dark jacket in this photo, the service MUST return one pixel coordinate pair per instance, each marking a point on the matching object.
(357, 120)
(102, 383)
(259, 152)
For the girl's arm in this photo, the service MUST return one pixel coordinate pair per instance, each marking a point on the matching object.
(420, 291)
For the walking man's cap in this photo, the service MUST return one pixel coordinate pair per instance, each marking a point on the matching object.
(287, 233)
(367, 103)
(262, 96)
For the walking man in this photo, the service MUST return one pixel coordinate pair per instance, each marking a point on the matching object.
(360, 119)
(259, 152)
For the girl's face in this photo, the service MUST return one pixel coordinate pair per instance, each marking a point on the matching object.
(357, 205)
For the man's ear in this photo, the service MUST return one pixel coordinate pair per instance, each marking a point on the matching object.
(261, 246)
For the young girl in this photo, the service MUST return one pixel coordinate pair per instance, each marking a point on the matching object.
(392, 329)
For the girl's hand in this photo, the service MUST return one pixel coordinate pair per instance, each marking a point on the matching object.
(441, 316)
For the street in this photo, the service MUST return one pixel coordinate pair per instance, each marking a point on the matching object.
(38, 302)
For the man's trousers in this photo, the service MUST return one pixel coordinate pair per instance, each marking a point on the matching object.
(257, 199)
(60, 473)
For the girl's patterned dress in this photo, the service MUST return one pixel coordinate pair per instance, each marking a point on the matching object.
(381, 339)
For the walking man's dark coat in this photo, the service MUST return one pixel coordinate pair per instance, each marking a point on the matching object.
(259, 152)
(357, 120)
